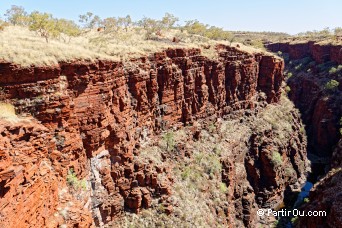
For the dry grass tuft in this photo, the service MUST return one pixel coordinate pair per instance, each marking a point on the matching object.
(7, 112)
(24, 47)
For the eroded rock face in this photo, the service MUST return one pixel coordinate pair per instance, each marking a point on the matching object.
(325, 197)
(319, 52)
(321, 111)
(31, 179)
(96, 115)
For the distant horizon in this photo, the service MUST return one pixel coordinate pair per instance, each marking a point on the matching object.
(291, 17)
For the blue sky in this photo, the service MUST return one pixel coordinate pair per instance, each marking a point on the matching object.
(290, 16)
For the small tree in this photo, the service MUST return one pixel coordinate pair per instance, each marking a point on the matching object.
(338, 31)
(68, 27)
(110, 24)
(150, 25)
(325, 32)
(89, 20)
(195, 27)
(44, 24)
(17, 16)
(169, 20)
(125, 22)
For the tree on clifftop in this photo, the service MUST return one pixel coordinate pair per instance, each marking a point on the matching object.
(44, 24)
(89, 20)
(169, 20)
(125, 22)
(16, 16)
(67, 27)
(111, 24)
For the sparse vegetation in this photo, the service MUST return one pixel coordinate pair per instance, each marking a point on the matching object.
(287, 89)
(289, 171)
(211, 32)
(198, 188)
(335, 70)
(7, 112)
(169, 140)
(331, 85)
(44, 25)
(276, 159)
(74, 182)
(112, 38)
(294, 220)
(332, 70)
(17, 15)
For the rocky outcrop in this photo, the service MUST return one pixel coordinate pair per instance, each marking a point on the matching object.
(95, 115)
(31, 179)
(320, 108)
(320, 52)
(325, 198)
(321, 112)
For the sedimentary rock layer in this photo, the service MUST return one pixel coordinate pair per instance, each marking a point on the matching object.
(320, 52)
(92, 116)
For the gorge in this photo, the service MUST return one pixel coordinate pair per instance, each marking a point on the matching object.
(74, 154)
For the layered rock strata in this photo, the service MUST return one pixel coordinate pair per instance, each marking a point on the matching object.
(91, 118)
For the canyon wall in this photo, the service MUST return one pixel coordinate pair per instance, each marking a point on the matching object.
(321, 111)
(90, 117)
(320, 52)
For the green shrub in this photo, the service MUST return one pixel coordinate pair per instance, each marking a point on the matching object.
(332, 70)
(169, 20)
(169, 139)
(287, 89)
(276, 159)
(74, 182)
(289, 171)
(68, 28)
(223, 188)
(294, 220)
(331, 85)
(212, 32)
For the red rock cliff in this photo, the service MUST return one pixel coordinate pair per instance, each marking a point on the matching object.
(91, 117)
(319, 52)
(321, 111)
